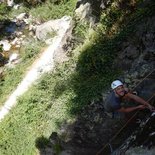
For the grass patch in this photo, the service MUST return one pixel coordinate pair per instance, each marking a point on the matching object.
(50, 11)
(47, 11)
(4, 9)
(15, 12)
(36, 114)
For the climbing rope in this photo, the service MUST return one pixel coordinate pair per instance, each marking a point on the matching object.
(128, 119)
(143, 79)
(108, 144)
(121, 129)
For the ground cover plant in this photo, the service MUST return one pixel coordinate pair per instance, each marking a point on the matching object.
(12, 76)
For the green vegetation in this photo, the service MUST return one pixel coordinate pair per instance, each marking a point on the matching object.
(14, 75)
(53, 11)
(44, 12)
(51, 35)
(13, 13)
(48, 10)
(3, 11)
(59, 96)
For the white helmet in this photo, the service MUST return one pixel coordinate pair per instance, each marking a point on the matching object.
(116, 83)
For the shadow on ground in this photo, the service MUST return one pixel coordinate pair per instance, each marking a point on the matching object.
(94, 72)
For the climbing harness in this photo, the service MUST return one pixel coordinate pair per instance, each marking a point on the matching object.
(100, 151)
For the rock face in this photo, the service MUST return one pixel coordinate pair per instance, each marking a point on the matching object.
(141, 139)
(84, 12)
(137, 56)
(93, 127)
(89, 10)
(140, 151)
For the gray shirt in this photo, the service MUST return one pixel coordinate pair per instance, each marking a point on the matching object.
(112, 103)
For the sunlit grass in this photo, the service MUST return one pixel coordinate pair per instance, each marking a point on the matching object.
(13, 76)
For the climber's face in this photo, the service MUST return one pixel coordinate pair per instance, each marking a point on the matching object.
(120, 91)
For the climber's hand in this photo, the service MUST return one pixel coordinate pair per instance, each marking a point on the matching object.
(141, 107)
(151, 107)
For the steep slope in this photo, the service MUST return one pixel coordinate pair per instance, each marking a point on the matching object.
(67, 104)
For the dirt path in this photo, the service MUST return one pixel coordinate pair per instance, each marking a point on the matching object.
(44, 64)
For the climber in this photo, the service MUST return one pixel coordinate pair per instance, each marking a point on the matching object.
(119, 95)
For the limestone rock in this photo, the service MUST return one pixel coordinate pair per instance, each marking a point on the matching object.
(21, 16)
(32, 27)
(13, 57)
(6, 46)
(84, 13)
(53, 28)
(14, 41)
(10, 3)
(16, 6)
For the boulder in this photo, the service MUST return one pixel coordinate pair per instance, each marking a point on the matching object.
(84, 13)
(13, 60)
(21, 16)
(6, 46)
(10, 3)
(13, 57)
(52, 28)
(16, 6)
(14, 41)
